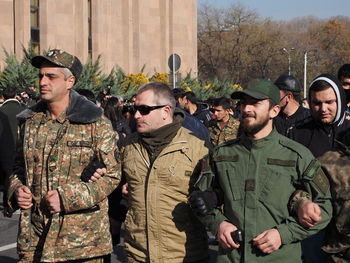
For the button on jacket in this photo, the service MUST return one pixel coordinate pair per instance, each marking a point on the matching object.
(255, 179)
(160, 226)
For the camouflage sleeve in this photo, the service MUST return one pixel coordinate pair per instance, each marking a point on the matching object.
(82, 195)
(17, 177)
(298, 197)
(314, 182)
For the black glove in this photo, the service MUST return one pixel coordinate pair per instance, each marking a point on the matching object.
(202, 202)
(90, 169)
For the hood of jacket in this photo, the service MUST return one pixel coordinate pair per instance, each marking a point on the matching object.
(80, 110)
(339, 93)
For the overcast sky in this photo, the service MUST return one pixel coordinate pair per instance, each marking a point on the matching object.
(289, 9)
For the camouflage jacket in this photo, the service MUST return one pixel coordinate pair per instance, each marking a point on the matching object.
(52, 154)
(336, 165)
(219, 135)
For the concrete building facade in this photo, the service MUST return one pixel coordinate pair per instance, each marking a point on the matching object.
(131, 34)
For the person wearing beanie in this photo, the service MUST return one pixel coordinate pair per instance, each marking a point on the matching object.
(291, 112)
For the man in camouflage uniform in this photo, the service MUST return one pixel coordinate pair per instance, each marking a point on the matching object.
(226, 127)
(63, 218)
(254, 177)
(336, 165)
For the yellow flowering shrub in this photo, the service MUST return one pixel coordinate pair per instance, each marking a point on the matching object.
(237, 87)
(160, 77)
(133, 81)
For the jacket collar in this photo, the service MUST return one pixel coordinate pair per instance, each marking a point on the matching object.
(80, 110)
(11, 100)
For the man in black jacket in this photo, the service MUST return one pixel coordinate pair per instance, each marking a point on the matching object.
(327, 106)
(189, 102)
(291, 112)
(319, 133)
(8, 122)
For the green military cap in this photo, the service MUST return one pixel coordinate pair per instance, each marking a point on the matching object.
(259, 89)
(59, 58)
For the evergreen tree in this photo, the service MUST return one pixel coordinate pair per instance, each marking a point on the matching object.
(17, 74)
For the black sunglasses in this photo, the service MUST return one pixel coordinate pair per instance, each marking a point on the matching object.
(144, 109)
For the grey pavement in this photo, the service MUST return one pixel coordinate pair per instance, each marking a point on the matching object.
(8, 234)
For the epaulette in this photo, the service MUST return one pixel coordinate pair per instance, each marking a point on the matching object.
(294, 146)
(224, 144)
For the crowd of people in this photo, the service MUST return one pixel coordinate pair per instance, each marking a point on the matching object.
(264, 171)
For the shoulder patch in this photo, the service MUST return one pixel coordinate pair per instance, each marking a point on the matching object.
(321, 181)
(310, 171)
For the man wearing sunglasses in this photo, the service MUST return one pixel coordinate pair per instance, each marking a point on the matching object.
(160, 164)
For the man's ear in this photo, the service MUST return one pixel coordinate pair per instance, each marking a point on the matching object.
(274, 111)
(166, 112)
(71, 81)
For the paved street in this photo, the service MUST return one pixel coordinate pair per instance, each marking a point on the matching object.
(8, 233)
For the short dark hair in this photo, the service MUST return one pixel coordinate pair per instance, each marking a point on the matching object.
(9, 93)
(178, 93)
(296, 95)
(191, 97)
(222, 101)
(344, 71)
(112, 109)
(319, 85)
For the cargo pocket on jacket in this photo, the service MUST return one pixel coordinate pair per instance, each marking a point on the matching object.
(79, 230)
(229, 180)
(276, 189)
(176, 174)
(81, 152)
(235, 186)
(135, 228)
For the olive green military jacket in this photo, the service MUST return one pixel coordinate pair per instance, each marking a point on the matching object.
(255, 180)
(160, 226)
(81, 230)
(229, 132)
